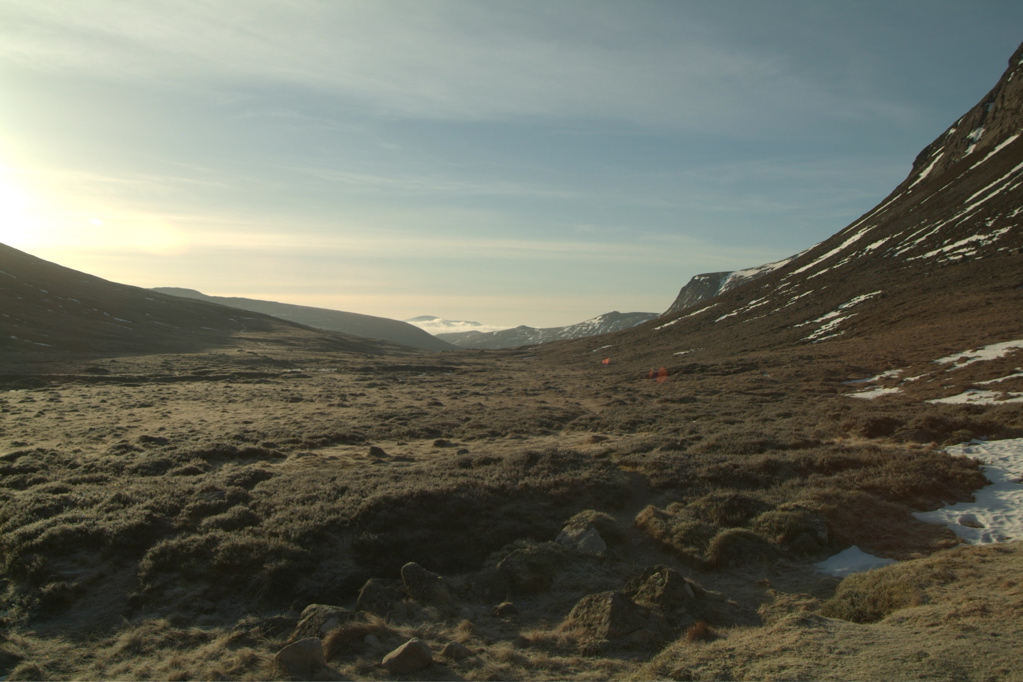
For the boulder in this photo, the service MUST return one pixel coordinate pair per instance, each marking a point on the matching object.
(660, 587)
(585, 539)
(607, 615)
(531, 567)
(456, 651)
(425, 586)
(380, 596)
(319, 619)
(301, 660)
(411, 656)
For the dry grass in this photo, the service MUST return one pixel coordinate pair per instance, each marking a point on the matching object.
(175, 530)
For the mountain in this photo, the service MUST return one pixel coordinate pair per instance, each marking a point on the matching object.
(936, 268)
(49, 310)
(367, 326)
(710, 284)
(529, 336)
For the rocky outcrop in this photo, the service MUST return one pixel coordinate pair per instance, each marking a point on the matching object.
(607, 615)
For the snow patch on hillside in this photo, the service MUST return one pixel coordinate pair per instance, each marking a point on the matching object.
(992, 351)
(996, 514)
(829, 321)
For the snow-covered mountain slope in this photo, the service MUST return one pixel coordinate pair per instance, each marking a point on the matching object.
(356, 324)
(529, 336)
(934, 268)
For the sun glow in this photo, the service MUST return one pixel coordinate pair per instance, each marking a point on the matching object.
(75, 225)
(17, 224)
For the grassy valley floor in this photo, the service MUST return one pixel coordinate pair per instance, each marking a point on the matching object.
(173, 517)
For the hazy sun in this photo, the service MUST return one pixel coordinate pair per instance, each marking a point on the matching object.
(17, 225)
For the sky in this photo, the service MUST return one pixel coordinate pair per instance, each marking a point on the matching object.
(509, 162)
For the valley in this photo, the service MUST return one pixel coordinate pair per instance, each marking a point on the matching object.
(190, 490)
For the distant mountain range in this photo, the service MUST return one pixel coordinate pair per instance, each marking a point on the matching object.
(529, 336)
(367, 326)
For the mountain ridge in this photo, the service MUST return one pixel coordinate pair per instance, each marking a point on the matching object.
(48, 309)
(531, 336)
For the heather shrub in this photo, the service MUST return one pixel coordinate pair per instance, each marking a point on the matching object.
(871, 596)
(737, 546)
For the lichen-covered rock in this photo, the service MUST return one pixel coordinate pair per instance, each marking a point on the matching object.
(425, 586)
(662, 588)
(319, 619)
(411, 656)
(584, 539)
(607, 615)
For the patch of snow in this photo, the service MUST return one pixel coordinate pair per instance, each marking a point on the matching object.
(679, 319)
(875, 392)
(927, 171)
(1018, 375)
(739, 276)
(991, 351)
(974, 137)
(996, 182)
(976, 396)
(982, 239)
(834, 318)
(996, 514)
(997, 149)
(829, 254)
(852, 560)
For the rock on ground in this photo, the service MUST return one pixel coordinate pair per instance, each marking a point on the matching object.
(411, 656)
(319, 619)
(607, 615)
(303, 660)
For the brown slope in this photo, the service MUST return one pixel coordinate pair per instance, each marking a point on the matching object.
(935, 268)
(47, 310)
(355, 324)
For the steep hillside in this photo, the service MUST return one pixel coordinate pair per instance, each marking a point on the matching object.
(47, 310)
(935, 269)
(530, 336)
(367, 326)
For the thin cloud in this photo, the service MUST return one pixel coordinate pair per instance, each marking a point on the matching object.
(453, 60)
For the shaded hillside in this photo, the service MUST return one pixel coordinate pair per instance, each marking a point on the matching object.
(368, 326)
(530, 336)
(50, 310)
(935, 268)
